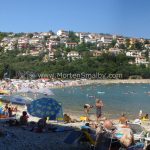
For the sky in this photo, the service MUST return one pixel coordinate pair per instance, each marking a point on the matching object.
(124, 17)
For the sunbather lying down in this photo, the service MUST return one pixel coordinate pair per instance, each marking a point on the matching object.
(68, 119)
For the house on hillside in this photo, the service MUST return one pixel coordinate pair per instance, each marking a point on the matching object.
(73, 55)
(107, 39)
(34, 41)
(62, 33)
(115, 51)
(96, 53)
(141, 60)
(71, 45)
(147, 46)
(133, 53)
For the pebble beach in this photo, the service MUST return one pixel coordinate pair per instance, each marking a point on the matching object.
(18, 138)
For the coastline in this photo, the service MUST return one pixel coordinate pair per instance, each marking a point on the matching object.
(95, 82)
(119, 81)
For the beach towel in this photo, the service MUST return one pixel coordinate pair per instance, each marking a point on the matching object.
(73, 137)
(83, 118)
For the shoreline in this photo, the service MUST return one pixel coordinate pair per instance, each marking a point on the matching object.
(119, 81)
(95, 82)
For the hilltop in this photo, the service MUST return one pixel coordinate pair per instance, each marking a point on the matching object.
(74, 52)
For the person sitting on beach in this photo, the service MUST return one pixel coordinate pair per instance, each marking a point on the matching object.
(15, 109)
(146, 116)
(6, 107)
(104, 135)
(68, 119)
(24, 118)
(41, 125)
(87, 108)
(123, 119)
(10, 112)
(99, 104)
(5, 110)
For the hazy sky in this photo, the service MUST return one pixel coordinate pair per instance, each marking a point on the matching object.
(125, 17)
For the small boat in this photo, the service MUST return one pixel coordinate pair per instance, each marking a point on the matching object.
(90, 96)
(101, 92)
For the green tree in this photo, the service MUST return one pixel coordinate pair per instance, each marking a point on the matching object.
(127, 43)
(138, 45)
(122, 46)
(147, 55)
(146, 42)
(72, 37)
(30, 35)
(113, 43)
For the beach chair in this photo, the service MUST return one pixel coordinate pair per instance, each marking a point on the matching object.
(147, 140)
(137, 146)
(138, 132)
(89, 138)
(105, 141)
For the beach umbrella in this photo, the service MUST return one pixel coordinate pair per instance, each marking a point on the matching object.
(1, 107)
(14, 100)
(25, 90)
(25, 99)
(45, 107)
(44, 91)
(34, 90)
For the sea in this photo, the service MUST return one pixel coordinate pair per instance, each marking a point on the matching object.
(117, 99)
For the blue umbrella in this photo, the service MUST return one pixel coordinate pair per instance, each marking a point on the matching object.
(14, 99)
(45, 107)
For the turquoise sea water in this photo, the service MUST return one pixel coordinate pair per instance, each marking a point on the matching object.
(117, 98)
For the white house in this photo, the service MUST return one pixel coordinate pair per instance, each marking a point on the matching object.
(53, 37)
(88, 40)
(106, 39)
(45, 33)
(147, 46)
(96, 53)
(34, 41)
(115, 51)
(141, 60)
(83, 36)
(23, 40)
(51, 55)
(34, 53)
(51, 43)
(62, 33)
(73, 55)
(133, 53)
(71, 45)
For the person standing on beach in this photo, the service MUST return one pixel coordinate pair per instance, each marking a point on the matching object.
(99, 104)
(123, 119)
(87, 108)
